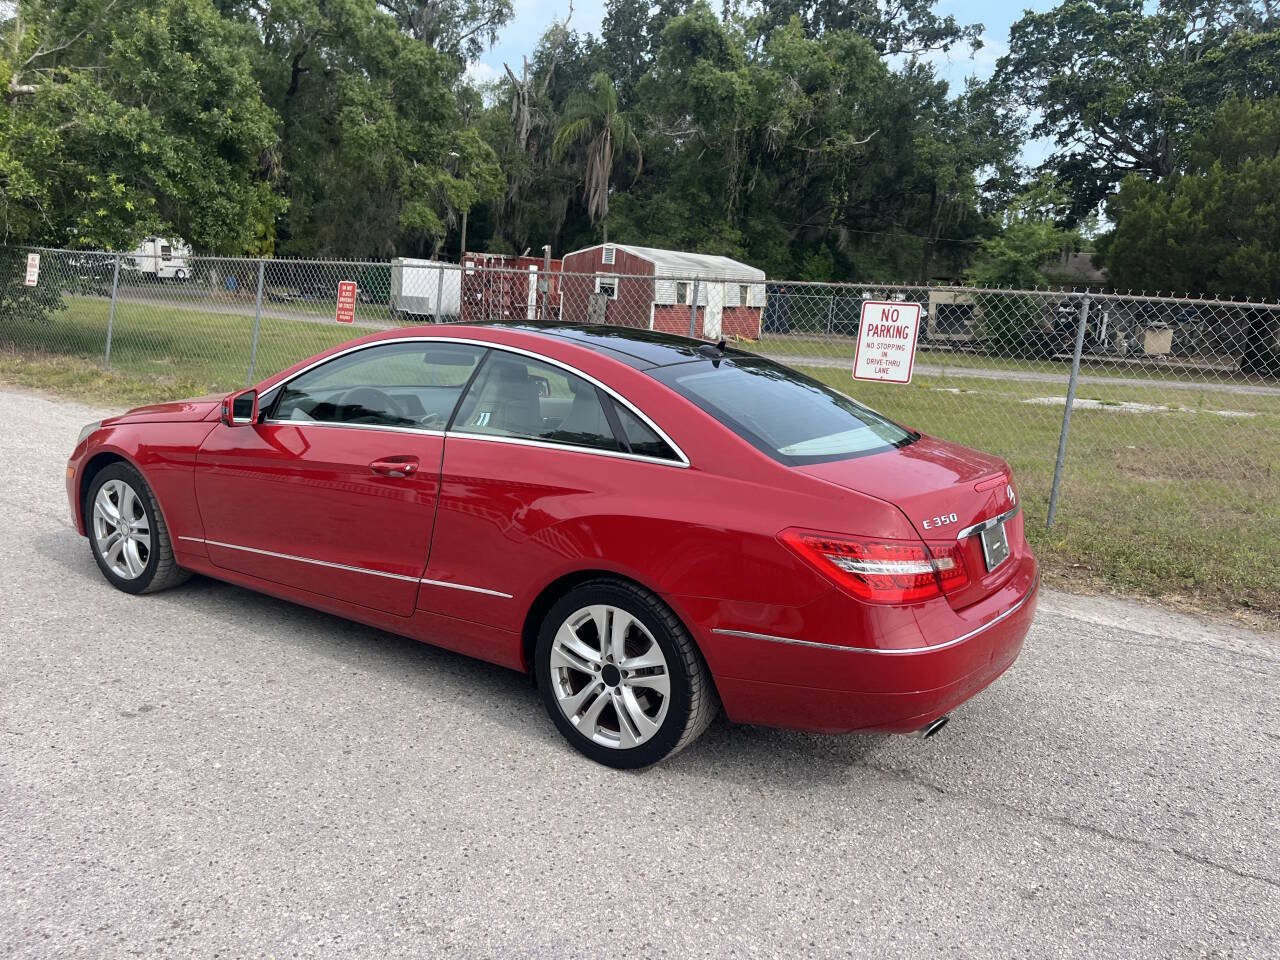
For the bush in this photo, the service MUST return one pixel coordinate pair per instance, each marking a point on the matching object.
(1012, 325)
(22, 304)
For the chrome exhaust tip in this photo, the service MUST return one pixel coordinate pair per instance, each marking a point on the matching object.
(931, 729)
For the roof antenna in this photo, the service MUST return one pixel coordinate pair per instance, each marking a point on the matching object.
(713, 352)
(722, 345)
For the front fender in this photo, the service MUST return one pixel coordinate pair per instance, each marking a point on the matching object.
(165, 455)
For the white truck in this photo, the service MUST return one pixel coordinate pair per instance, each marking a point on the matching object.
(417, 284)
(161, 258)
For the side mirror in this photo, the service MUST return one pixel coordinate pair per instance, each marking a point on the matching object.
(240, 409)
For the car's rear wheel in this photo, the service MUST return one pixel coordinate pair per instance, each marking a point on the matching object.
(620, 675)
(127, 532)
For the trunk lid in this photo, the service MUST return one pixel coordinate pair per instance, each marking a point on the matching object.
(942, 488)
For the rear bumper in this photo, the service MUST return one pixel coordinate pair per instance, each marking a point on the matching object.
(829, 689)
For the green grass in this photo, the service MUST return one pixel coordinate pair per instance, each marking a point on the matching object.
(1171, 505)
(842, 348)
(174, 348)
(1175, 505)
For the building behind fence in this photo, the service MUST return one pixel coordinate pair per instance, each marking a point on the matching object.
(1125, 415)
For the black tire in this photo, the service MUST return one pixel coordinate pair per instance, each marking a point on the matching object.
(161, 570)
(692, 702)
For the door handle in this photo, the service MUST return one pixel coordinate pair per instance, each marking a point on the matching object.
(395, 466)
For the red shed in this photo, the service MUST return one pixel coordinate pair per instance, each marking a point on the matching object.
(632, 286)
(500, 287)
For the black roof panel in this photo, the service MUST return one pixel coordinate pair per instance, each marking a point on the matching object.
(639, 348)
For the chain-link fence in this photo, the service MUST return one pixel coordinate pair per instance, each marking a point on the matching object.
(1145, 431)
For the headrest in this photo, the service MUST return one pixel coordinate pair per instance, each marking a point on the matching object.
(512, 372)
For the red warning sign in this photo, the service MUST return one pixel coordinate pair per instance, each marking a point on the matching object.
(346, 301)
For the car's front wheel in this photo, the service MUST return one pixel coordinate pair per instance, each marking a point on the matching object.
(128, 534)
(620, 675)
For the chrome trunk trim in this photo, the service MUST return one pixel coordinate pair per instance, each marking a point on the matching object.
(988, 523)
(791, 641)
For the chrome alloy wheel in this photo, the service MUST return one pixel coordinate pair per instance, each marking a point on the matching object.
(121, 529)
(609, 676)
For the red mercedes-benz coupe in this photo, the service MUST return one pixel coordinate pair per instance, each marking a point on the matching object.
(653, 526)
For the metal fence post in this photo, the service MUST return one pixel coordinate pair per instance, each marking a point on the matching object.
(111, 314)
(693, 311)
(1066, 414)
(440, 289)
(257, 322)
(544, 282)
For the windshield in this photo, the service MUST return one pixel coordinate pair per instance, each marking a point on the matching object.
(793, 418)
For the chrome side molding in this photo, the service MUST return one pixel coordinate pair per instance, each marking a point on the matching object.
(350, 569)
(463, 586)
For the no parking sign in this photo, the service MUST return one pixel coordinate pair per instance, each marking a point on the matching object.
(887, 341)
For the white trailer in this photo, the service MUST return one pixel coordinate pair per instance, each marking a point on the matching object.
(163, 259)
(417, 284)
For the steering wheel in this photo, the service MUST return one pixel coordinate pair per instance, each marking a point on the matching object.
(371, 399)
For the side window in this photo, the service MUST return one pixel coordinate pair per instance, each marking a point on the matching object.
(516, 396)
(641, 437)
(409, 384)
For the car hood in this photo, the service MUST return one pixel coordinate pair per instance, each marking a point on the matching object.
(927, 479)
(178, 411)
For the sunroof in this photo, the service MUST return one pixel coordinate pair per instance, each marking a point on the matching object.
(653, 348)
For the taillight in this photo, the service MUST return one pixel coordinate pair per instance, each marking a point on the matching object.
(881, 571)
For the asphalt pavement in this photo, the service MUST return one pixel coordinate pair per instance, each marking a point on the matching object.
(208, 772)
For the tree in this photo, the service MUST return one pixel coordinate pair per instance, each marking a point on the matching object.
(594, 126)
(1031, 236)
(374, 157)
(628, 38)
(1016, 324)
(1120, 85)
(804, 137)
(461, 29)
(808, 156)
(122, 118)
(1213, 226)
(903, 27)
(539, 188)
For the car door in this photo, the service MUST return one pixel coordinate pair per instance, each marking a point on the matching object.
(535, 458)
(334, 490)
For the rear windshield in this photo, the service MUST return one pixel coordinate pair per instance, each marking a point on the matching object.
(793, 418)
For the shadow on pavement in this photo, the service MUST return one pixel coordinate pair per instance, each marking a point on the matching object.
(727, 751)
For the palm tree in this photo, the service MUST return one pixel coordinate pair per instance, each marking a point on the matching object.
(593, 122)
